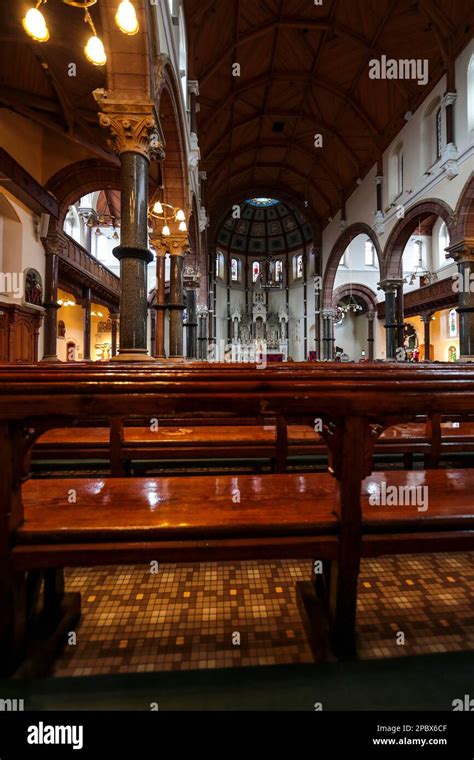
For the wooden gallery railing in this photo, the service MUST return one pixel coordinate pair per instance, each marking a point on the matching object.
(326, 517)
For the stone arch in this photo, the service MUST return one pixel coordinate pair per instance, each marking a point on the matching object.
(336, 254)
(464, 226)
(174, 167)
(366, 295)
(79, 179)
(403, 230)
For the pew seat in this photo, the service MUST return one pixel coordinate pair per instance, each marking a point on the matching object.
(120, 520)
(209, 518)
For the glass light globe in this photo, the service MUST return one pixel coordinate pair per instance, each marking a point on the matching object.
(180, 216)
(95, 51)
(158, 208)
(34, 24)
(126, 18)
(166, 231)
(183, 227)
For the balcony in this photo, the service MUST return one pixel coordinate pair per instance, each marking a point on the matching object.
(78, 266)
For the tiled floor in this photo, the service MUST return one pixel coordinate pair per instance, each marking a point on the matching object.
(235, 614)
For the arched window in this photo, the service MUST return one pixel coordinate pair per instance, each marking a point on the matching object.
(396, 171)
(298, 266)
(443, 243)
(234, 270)
(256, 269)
(432, 134)
(72, 224)
(453, 324)
(279, 271)
(470, 95)
(220, 265)
(369, 254)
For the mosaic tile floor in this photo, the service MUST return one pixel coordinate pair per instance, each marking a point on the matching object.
(189, 617)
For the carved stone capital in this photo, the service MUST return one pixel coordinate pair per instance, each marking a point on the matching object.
(461, 251)
(192, 279)
(450, 98)
(178, 245)
(132, 125)
(53, 245)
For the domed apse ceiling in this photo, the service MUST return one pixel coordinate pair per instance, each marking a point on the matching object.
(266, 225)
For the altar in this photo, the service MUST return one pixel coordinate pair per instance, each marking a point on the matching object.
(259, 334)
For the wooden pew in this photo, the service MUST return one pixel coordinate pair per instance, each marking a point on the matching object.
(356, 408)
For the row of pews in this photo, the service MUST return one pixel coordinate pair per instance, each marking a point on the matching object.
(331, 518)
(125, 443)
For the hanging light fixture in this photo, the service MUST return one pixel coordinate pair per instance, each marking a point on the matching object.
(34, 23)
(126, 18)
(165, 212)
(351, 305)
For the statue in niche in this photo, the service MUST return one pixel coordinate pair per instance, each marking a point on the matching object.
(61, 329)
(33, 287)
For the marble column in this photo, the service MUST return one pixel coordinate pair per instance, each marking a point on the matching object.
(114, 317)
(132, 125)
(427, 319)
(390, 288)
(203, 312)
(463, 254)
(161, 248)
(329, 316)
(371, 336)
(192, 282)
(87, 324)
(400, 317)
(52, 247)
(177, 249)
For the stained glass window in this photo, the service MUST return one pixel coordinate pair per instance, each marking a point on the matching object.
(255, 271)
(453, 324)
(299, 267)
(234, 275)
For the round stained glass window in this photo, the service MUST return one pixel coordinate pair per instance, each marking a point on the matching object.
(262, 202)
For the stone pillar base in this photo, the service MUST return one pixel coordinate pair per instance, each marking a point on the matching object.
(51, 360)
(131, 356)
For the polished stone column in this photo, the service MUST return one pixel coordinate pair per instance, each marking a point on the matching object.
(177, 249)
(192, 282)
(427, 319)
(114, 317)
(135, 139)
(371, 337)
(52, 248)
(161, 248)
(390, 288)
(400, 317)
(329, 316)
(203, 313)
(463, 255)
(87, 324)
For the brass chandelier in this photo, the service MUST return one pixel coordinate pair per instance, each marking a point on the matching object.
(167, 214)
(34, 24)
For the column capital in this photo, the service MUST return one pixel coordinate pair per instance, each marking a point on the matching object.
(371, 315)
(450, 98)
(427, 317)
(132, 124)
(192, 279)
(193, 87)
(379, 179)
(178, 245)
(53, 245)
(462, 251)
(391, 285)
(329, 314)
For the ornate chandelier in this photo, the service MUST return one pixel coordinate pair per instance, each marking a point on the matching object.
(168, 214)
(351, 306)
(34, 24)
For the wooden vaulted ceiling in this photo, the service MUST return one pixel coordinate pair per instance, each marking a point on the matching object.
(35, 78)
(304, 70)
